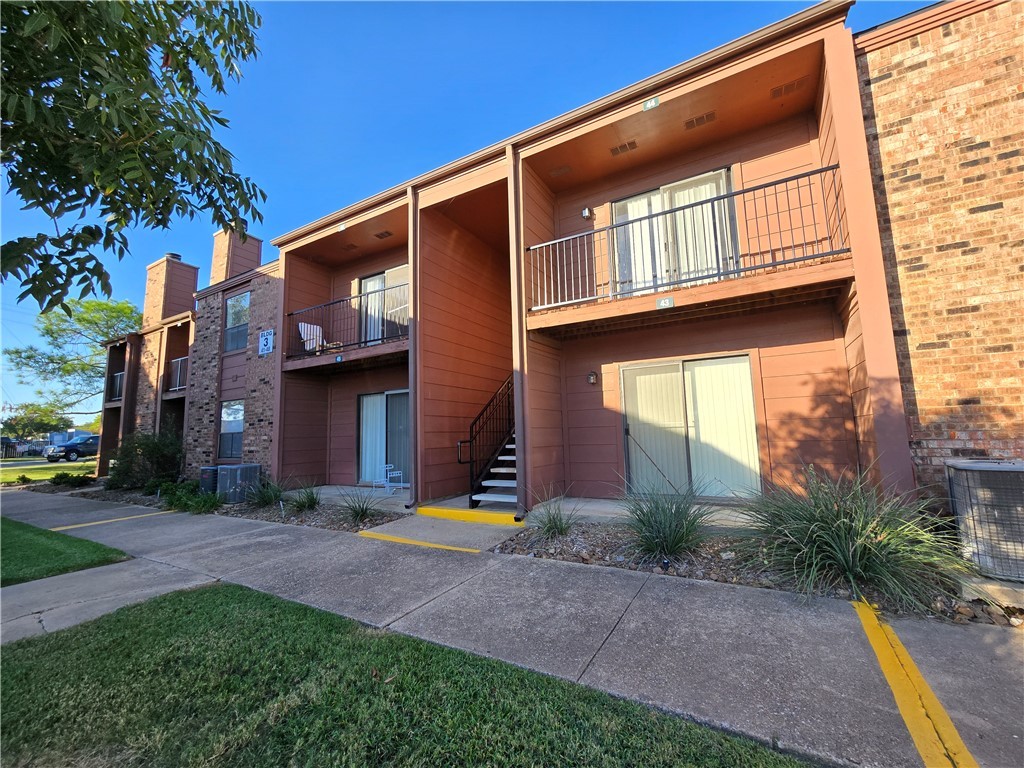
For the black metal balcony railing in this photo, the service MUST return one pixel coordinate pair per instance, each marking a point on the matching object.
(357, 321)
(795, 219)
(115, 388)
(177, 374)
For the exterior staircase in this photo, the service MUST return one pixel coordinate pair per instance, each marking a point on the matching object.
(499, 483)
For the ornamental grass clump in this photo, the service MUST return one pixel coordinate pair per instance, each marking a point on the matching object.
(666, 526)
(552, 519)
(305, 499)
(361, 504)
(265, 493)
(846, 534)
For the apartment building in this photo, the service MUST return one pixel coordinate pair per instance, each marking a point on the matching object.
(781, 253)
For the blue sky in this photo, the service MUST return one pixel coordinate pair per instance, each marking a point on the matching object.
(348, 99)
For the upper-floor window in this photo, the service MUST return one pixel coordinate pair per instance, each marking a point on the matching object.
(236, 322)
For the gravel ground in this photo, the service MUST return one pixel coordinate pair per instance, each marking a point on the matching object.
(331, 516)
(725, 559)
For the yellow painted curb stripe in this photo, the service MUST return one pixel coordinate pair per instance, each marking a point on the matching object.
(930, 727)
(111, 520)
(415, 542)
(471, 516)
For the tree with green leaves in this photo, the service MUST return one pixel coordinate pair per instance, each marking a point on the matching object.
(105, 128)
(33, 419)
(70, 364)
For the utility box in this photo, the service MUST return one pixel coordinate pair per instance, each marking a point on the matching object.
(208, 479)
(235, 480)
(988, 500)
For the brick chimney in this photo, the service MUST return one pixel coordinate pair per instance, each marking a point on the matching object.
(233, 257)
(170, 285)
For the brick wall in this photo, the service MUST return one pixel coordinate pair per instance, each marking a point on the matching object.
(148, 386)
(260, 388)
(261, 372)
(943, 114)
(201, 421)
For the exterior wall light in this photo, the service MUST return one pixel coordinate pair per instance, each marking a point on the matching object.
(587, 213)
(592, 377)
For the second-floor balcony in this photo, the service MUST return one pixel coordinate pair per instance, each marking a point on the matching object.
(364, 320)
(115, 386)
(690, 234)
(177, 374)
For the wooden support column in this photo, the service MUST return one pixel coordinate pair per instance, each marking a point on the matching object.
(519, 363)
(886, 421)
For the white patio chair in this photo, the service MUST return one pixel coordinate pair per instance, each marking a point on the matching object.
(390, 479)
(312, 336)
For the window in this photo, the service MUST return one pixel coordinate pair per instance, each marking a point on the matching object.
(236, 322)
(232, 415)
(655, 248)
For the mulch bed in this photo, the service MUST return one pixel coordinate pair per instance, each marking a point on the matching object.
(330, 516)
(719, 558)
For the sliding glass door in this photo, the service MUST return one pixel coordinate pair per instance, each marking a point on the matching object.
(383, 435)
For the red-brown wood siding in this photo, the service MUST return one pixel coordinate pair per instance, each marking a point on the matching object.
(545, 422)
(465, 345)
(305, 420)
(345, 389)
(801, 392)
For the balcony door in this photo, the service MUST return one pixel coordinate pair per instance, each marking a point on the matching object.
(692, 423)
(655, 249)
(371, 309)
(383, 435)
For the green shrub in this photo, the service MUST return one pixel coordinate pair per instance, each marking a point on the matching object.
(178, 495)
(666, 526)
(305, 499)
(70, 480)
(552, 519)
(143, 458)
(845, 533)
(152, 486)
(24, 479)
(265, 493)
(204, 503)
(361, 504)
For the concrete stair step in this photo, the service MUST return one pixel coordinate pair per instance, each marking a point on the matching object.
(502, 498)
(500, 483)
(504, 470)
(507, 458)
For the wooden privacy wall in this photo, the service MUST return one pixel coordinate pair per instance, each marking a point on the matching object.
(464, 345)
(544, 421)
(343, 436)
(800, 381)
(304, 429)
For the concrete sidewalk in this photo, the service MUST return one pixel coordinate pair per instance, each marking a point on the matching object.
(796, 673)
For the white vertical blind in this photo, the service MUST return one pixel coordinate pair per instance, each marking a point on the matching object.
(657, 428)
(721, 428)
(372, 437)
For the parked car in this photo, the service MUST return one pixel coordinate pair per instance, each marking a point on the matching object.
(86, 445)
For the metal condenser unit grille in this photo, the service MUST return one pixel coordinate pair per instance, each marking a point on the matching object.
(988, 499)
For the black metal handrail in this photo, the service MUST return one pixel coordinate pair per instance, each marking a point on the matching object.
(355, 321)
(488, 434)
(781, 222)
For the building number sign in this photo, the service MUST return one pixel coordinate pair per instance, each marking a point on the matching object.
(266, 342)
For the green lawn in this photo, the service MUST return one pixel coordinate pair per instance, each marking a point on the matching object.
(224, 676)
(10, 472)
(28, 553)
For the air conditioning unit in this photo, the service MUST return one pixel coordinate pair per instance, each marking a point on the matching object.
(988, 500)
(208, 479)
(235, 480)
